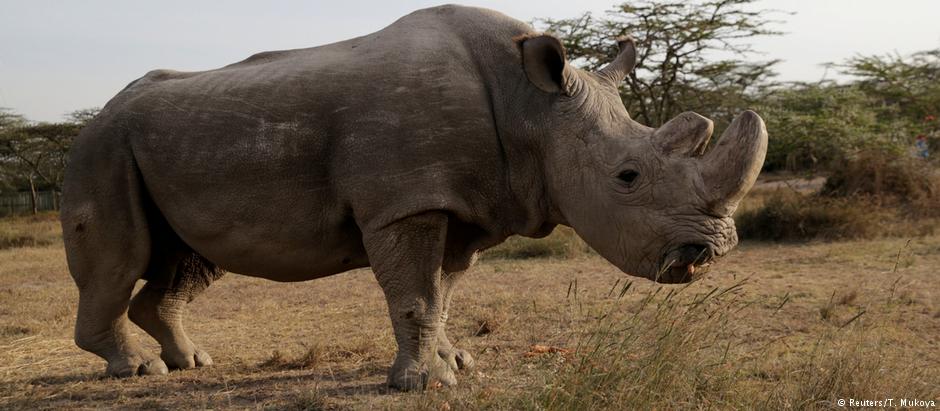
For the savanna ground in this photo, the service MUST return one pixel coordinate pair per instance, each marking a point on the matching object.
(551, 325)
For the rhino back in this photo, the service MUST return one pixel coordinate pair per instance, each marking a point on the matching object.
(273, 165)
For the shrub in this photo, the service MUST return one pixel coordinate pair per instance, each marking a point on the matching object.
(882, 174)
(790, 216)
(909, 185)
(561, 243)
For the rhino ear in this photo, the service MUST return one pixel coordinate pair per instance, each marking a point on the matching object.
(543, 58)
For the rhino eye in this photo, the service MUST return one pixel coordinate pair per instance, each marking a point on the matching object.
(628, 176)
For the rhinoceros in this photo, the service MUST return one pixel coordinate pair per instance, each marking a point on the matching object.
(408, 150)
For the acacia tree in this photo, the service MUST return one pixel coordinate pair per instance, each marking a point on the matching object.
(83, 116)
(909, 85)
(35, 155)
(678, 65)
(9, 119)
(10, 168)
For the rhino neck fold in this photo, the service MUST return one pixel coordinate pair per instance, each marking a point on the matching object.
(529, 211)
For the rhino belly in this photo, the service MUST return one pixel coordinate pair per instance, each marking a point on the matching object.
(260, 207)
(275, 243)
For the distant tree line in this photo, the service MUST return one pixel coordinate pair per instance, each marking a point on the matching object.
(33, 155)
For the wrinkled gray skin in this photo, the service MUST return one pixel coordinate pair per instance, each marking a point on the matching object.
(407, 150)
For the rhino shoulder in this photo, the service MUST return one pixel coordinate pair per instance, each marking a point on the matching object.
(158, 76)
(263, 57)
(470, 20)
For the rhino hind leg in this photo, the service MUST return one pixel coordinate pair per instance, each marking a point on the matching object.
(173, 281)
(102, 328)
(107, 245)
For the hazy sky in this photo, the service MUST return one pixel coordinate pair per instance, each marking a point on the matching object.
(58, 56)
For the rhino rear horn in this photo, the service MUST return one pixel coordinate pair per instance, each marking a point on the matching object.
(731, 167)
(623, 64)
(685, 135)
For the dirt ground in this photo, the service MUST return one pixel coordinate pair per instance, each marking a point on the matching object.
(327, 343)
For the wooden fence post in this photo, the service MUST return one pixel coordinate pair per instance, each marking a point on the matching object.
(33, 195)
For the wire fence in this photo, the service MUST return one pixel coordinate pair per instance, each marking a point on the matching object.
(22, 203)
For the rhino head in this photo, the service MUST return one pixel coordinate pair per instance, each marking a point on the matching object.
(657, 203)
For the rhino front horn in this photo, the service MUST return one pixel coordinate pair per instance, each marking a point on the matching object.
(731, 167)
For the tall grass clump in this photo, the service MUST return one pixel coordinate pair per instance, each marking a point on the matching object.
(856, 360)
(678, 349)
(852, 364)
(671, 352)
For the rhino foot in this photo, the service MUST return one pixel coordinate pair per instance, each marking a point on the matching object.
(455, 358)
(185, 360)
(410, 377)
(133, 366)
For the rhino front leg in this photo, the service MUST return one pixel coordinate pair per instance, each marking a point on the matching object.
(406, 257)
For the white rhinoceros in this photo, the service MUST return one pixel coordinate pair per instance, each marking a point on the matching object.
(408, 150)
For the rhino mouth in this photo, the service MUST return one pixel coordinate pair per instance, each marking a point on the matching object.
(684, 264)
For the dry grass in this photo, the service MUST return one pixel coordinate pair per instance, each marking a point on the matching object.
(752, 335)
(680, 351)
(30, 231)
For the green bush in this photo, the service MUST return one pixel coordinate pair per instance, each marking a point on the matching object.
(814, 126)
